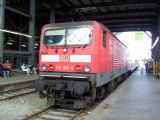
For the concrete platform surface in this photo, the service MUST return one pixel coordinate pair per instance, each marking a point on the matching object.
(137, 98)
(17, 78)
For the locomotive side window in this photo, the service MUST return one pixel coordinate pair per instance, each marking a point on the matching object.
(54, 37)
(104, 39)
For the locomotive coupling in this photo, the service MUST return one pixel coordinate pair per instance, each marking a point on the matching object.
(62, 92)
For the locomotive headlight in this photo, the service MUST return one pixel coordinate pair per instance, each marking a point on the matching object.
(87, 68)
(44, 67)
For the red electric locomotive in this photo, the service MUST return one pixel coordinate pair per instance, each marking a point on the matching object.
(79, 61)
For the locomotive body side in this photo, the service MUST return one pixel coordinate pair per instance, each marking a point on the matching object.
(112, 57)
(119, 58)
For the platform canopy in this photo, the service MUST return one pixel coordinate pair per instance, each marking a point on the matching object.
(28, 16)
(117, 15)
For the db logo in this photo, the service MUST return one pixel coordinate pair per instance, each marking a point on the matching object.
(64, 58)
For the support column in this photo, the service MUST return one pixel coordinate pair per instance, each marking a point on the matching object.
(153, 40)
(159, 23)
(52, 11)
(158, 35)
(31, 59)
(19, 61)
(2, 17)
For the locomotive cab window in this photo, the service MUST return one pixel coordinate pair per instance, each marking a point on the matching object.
(67, 36)
(104, 39)
(78, 35)
(54, 37)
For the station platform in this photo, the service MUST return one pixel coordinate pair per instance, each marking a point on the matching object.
(137, 98)
(17, 78)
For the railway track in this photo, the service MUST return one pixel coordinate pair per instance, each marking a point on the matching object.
(15, 89)
(4, 95)
(52, 113)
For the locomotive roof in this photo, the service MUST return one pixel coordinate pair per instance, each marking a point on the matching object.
(76, 23)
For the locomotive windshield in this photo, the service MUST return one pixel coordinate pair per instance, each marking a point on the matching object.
(68, 36)
(54, 37)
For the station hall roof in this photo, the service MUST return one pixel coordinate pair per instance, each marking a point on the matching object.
(117, 15)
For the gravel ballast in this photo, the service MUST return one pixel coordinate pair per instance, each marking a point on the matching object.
(18, 108)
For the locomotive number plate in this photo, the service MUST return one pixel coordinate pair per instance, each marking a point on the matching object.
(65, 68)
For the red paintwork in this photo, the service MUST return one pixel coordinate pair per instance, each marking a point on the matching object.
(113, 57)
(119, 54)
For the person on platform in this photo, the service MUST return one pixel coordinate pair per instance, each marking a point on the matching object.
(25, 68)
(4, 72)
(146, 66)
(7, 64)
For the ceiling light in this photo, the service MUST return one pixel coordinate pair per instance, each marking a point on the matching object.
(36, 44)
(10, 39)
(9, 43)
(87, 8)
(15, 33)
(155, 43)
(23, 45)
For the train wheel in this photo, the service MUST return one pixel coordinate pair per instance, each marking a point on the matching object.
(125, 75)
(120, 79)
(101, 92)
(111, 86)
(116, 82)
